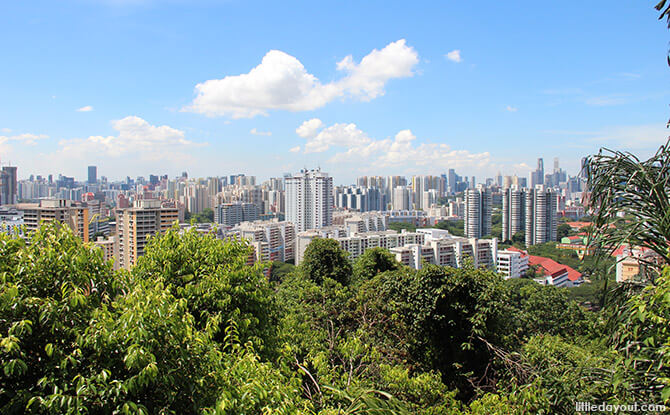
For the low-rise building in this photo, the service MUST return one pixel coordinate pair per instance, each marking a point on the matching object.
(512, 264)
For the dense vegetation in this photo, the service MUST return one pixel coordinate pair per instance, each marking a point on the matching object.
(193, 329)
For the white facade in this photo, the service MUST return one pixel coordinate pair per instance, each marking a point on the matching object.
(541, 216)
(478, 210)
(514, 212)
(512, 264)
(309, 200)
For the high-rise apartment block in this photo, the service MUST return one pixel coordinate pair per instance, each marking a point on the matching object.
(230, 214)
(134, 225)
(76, 216)
(541, 215)
(514, 212)
(309, 199)
(8, 186)
(478, 210)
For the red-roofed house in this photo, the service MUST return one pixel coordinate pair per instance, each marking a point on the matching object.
(552, 273)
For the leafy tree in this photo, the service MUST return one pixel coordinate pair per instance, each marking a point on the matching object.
(324, 258)
(567, 372)
(455, 227)
(545, 309)
(519, 237)
(213, 278)
(454, 314)
(152, 358)
(374, 261)
(563, 231)
(399, 226)
(641, 336)
(49, 290)
(279, 270)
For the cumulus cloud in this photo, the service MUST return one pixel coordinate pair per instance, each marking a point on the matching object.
(28, 139)
(295, 149)
(338, 135)
(87, 108)
(135, 137)
(511, 108)
(281, 82)
(254, 131)
(401, 151)
(454, 56)
(309, 128)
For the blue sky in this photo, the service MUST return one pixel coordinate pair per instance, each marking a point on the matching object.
(373, 87)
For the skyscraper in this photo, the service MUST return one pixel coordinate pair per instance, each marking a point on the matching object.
(514, 212)
(537, 177)
(309, 199)
(541, 216)
(478, 209)
(8, 186)
(92, 174)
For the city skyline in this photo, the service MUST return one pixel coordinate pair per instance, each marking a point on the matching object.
(136, 87)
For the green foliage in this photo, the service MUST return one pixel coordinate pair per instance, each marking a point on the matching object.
(206, 216)
(451, 312)
(568, 372)
(213, 278)
(279, 270)
(630, 201)
(519, 237)
(455, 227)
(325, 259)
(399, 226)
(545, 309)
(50, 288)
(563, 231)
(153, 357)
(641, 337)
(496, 225)
(374, 261)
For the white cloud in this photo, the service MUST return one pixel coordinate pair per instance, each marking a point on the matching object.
(400, 152)
(6, 130)
(281, 82)
(454, 56)
(135, 137)
(295, 149)
(28, 139)
(254, 131)
(511, 108)
(87, 108)
(309, 128)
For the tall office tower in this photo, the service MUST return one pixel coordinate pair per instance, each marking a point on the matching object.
(419, 185)
(8, 186)
(134, 225)
(402, 199)
(451, 183)
(309, 199)
(478, 210)
(472, 182)
(92, 174)
(514, 212)
(499, 179)
(537, 177)
(541, 216)
(556, 168)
